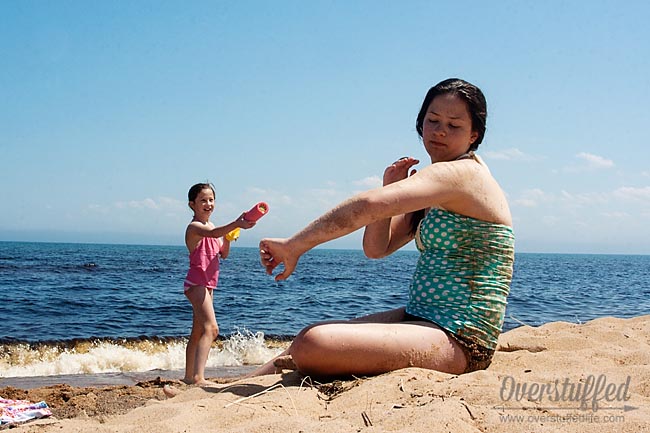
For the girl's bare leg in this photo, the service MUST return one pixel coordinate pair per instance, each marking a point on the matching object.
(268, 367)
(190, 350)
(368, 348)
(204, 331)
(385, 316)
(371, 344)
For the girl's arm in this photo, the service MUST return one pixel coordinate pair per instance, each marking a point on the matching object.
(203, 230)
(197, 230)
(225, 248)
(432, 186)
(386, 236)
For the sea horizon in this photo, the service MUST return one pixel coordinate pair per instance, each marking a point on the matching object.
(408, 247)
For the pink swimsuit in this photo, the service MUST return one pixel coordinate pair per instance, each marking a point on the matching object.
(204, 264)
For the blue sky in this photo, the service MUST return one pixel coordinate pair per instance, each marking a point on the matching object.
(112, 110)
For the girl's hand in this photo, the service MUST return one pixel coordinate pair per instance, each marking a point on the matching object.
(244, 223)
(399, 170)
(276, 251)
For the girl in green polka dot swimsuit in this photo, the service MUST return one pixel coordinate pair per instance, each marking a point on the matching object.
(459, 217)
(462, 280)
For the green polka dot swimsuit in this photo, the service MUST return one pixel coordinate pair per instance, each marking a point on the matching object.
(463, 275)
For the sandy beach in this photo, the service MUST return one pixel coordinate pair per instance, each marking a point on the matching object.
(557, 377)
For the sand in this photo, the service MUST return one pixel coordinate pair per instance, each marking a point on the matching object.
(557, 377)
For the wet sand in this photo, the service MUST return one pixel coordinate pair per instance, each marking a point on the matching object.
(111, 379)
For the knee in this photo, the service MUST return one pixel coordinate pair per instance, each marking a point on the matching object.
(310, 338)
(309, 349)
(211, 330)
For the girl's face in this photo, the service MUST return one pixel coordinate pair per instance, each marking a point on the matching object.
(447, 128)
(203, 205)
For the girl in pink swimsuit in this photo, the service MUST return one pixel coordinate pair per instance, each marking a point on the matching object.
(206, 244)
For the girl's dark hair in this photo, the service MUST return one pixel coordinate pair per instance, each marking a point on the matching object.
(196, 189)
(476, 105)
(469, 93)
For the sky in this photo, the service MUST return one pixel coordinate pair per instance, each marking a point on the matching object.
(110, 111)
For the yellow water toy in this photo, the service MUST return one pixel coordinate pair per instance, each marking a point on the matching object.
(256, 212)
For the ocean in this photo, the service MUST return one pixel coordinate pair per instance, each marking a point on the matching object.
(80, 309)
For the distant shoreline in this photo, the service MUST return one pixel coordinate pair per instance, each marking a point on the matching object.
(407, 249)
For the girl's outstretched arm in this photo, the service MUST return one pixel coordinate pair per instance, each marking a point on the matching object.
(199, 229)
(435, 185)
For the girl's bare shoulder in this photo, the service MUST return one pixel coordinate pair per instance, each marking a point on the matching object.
(199, 227)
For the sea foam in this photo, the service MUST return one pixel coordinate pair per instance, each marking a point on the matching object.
(116, 356)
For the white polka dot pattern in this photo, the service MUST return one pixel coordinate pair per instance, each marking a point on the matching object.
(463, 275)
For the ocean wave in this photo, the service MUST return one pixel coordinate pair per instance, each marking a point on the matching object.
(115, 355)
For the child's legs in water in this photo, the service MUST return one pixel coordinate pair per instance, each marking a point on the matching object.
(204, 331)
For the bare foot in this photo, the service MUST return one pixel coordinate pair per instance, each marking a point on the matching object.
(170, 391)
(203, 382)
(284, 363)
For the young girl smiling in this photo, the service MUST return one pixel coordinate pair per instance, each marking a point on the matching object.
(206, 243)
